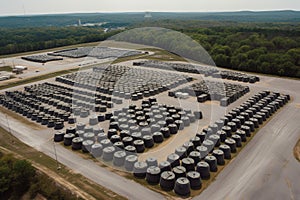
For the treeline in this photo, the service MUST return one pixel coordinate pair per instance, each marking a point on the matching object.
(19, 177)
(32, 39)
(269, 48)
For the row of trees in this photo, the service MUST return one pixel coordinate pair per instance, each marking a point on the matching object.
(267, 49)
(32, 39)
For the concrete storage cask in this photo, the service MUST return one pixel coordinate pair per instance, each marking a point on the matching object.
(165, 166)
(179, 171)
(153, 175)
(227, 130)
(251, 125)
(105, 143)
(237, 139)
(219, 154)
(130, 148)
(151, 161)
(196, 141)
(158, 137)
(216, 139)
(139, 169)
(232, 144)
(195, 180)
(232, 125)
(202, 136)
(101, 136)
(259, 118)
(242, 134)
(129, 162)
(196, 156)
(247, 130)
(212, 161)
(108, 153)
(89, 136)
(139, 145)
(59, 136)
(71, 129)
(203, 150)
(208, 144)
(111, 132)
(182, 187)
(189, 147)
(77, 143)
(165, 131)
(119, 158)
(119, 145)
(87, 145)
(198, 114)
(167, 180)
(226, 150)
(68, 139)
(188, 164)
(173, 159)
(181, 151)
(203, 169)
(148, 141)
(173, 128)
(96, 150)
(115, 138)
(222, 135)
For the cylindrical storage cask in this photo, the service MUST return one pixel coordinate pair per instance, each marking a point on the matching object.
(189, 147)
(212, 161)
(108, 153)
(233, 126)
(158, 137)
(209, 144)
(181, 151)
(148, 141)
(96, 150)
(77, 143)
(251, 125)
(219, 154)
(195, 180)
(119, 158)
(203, 150)
(188, 164)
(165, 166)
(196, 141)
(129, 162)
(237, 139)
(167, 180)
(232, 144)
(203, 169)
(179, 171)
(216, 139)
(182, 187)
(196, 156)
(226, 150)
(59, 136)
(153, 175)
(222, 135)
(140, 169)
(68, 139)
(139, 145)
(151, 161)
(227, 130)
(87, 145)
(173, 159)
(247, 130)
(242, 134)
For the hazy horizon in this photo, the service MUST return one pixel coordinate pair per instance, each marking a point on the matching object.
(32, 7)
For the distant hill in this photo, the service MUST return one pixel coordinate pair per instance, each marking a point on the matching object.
(125, 19)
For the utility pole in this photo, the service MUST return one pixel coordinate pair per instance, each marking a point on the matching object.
(57, 163)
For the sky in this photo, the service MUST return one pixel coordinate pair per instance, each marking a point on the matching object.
(21, 7)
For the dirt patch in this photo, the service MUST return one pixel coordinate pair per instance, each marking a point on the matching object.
(297, 150)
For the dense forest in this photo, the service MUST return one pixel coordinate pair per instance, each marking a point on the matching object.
(31, 39)
(264, 42)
